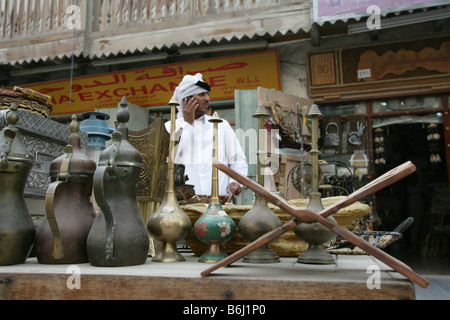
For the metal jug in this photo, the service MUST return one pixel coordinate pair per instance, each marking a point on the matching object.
(61, 236)
(119, 235)
(17, 231)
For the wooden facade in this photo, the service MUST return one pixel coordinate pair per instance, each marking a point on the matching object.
(384, 69)
(39, 30)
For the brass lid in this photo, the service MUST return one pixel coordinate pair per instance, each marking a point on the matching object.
(173, 101)
(314, 111)
(12, 147)
(261, 111)
(215, 118)
(79, 163)
(121, 152)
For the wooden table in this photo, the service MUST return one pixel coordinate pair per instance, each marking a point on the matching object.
(182, 281)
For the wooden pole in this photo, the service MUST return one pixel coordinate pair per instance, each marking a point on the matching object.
(308, 216)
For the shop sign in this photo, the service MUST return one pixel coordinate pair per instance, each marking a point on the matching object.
(328, 10)
(419, 65)
(154, 86)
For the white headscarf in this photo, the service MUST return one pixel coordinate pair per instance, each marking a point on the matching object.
(188, 87)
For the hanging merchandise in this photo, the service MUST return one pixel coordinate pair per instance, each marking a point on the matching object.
(332, 139)
(331, 133)
(288, 132)
(434, 138)
(357, 134)
(379, 149)
(355, 137)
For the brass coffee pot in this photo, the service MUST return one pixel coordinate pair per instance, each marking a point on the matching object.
(61, 236)
(118, 236)
(169, 223)
(17, 231)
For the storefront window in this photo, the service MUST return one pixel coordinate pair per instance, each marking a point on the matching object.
(343, 109)
(405, 104)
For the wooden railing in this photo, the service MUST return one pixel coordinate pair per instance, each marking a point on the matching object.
(32, 18)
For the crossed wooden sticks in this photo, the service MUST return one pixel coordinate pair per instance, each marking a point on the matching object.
(308, 216)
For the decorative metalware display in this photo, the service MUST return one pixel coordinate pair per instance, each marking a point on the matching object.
(304, 216)
(118, 236)
(17, 231)
(169, 223)
(153, 143)
(356, 137)
(332, 139)
(315, 234)
(259, 219)
(61, 236)
(214, 227)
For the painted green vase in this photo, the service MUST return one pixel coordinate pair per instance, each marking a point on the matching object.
(214, 228)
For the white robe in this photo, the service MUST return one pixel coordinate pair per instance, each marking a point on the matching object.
(195, 152)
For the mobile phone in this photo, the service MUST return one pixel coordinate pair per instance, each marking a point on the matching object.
(189, 98)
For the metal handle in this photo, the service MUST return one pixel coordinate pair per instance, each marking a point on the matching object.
(99, 193)
(5, 147)
(63, 177)
(50, 213)
(332, 124)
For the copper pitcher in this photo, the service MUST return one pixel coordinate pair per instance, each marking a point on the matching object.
(17, 231)
(119, 235)
(61, 236)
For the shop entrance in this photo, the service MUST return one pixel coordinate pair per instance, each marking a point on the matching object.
(423, 144)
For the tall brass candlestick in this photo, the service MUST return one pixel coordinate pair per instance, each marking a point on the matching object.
(214, 227)
(169, 223)
(260, 219)
(315, 233)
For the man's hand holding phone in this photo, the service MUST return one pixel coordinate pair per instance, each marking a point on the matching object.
(190, 105)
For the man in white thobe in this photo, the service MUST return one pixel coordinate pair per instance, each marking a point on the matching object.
(195, 148)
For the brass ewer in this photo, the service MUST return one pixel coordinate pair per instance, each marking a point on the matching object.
(118, 236)
(61, 236)
(259, 219)
(169, 223)
(315, 234)
(214, 227)
(17, 231)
